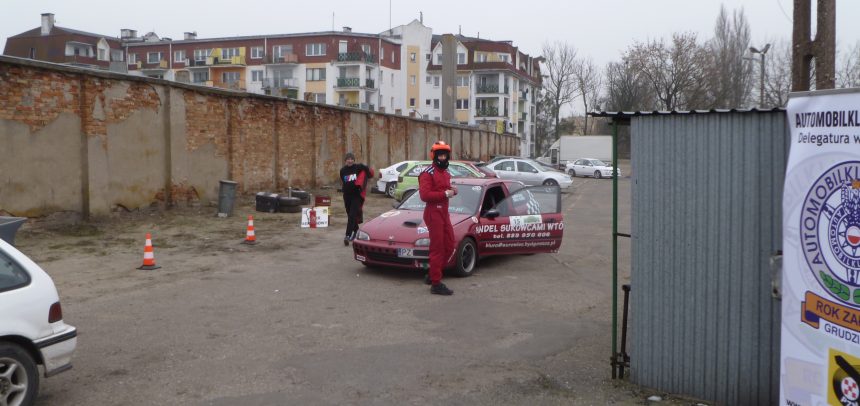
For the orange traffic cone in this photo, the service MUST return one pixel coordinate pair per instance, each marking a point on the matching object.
(250, 237)
(148, 255)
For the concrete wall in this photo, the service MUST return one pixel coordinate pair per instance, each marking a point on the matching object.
(89, 141)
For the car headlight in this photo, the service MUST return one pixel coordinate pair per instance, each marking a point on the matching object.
(362, 236)
(422, 242)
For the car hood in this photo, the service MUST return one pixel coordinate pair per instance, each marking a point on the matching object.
(404, 225)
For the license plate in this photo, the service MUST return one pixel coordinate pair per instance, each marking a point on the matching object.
(405, 252)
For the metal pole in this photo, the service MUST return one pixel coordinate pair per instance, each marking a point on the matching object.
(761, 91)
(614, 245)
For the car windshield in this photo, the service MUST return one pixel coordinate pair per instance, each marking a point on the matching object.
(597, 162)
(465, 202)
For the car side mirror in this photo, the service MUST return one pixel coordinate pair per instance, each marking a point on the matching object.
(491, 214)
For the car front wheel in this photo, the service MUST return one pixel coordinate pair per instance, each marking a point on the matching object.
(390, 188)
(597, 174)
(467, 258)
(19, 376)
(550, 182)
(572, 173)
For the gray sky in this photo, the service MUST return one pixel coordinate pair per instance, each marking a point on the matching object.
(598, 28)
(601, 29)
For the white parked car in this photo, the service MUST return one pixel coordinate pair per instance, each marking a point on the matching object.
(590, 167)
(32, 331)
(387, 182)
(529, 172)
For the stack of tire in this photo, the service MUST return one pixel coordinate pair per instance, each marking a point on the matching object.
(293, 200)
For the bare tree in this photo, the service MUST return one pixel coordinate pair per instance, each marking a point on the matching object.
(560, 81)
(625, 90)
(588, 82)
(674, 72)
(777, 83)
(848, 68)
(729, 78)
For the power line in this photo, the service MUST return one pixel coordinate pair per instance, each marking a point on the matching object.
(779, 3)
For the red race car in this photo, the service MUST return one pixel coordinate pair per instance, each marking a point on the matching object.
(490, 217)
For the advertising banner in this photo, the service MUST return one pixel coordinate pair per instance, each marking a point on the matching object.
(820, 350)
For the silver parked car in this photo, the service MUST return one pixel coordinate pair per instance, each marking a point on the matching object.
(529, 172)
(590, 167)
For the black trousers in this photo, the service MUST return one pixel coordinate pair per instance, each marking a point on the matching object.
(353, 206)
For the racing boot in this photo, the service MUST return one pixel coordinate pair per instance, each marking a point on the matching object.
(441, 289)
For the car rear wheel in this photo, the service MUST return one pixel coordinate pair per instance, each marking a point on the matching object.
(597, 175)
(550, 182)
(19, 376)
(572, 173)
(467, 258)
(390, 188)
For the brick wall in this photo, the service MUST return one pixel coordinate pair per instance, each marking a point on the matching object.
(93, 141)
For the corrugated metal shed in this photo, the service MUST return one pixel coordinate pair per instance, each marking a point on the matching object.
(706, 217)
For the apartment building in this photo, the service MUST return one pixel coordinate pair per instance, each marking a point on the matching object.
(397, 71)
(67, 46)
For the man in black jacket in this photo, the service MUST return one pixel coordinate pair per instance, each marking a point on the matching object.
(354, 178)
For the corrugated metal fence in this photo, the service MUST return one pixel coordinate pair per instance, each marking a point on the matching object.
(707, 193)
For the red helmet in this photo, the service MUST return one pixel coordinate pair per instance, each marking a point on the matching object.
(440, 146)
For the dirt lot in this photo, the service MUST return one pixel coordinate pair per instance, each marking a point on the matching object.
(296, 320)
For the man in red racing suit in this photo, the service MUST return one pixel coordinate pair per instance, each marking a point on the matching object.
(434, 188)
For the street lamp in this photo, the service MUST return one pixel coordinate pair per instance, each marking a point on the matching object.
(761, 89)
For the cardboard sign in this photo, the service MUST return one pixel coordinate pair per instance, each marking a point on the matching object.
(320, 215)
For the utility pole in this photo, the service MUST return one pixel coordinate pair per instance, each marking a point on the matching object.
(822, 48)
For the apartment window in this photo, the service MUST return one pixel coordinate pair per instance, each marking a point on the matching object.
(481, 57)
(102, 54)
(319, 97)
(315, 49)
(256, 76)
(429, 57)
(439, 58)
(436, 80)
(462, 81)
(132, 59)
(257, 52)
(230, 77)
(412, 57)
(427, 102)
(429, 79)
(281, 50)
(504, 57)
(366, 49)
(435, 104)
(32, 53)
(315, 74)
(200, 77)
(461, 58)
(412, 102)
(116, 55)
(462, 104)
(201, 54)
(153, 57)
(411, 79)
(179, 56)
(227, 53)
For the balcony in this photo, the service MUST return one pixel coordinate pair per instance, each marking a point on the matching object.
(523, 116)
(359, 57)
(353, 105)
(524, 94)
(490, 88)
(283, 59)
(196, 63)
(369, 83)
(81, 60)
(160, 65)
(348, 82)
(280, 83)
(217, 61)
(489, 111)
